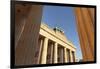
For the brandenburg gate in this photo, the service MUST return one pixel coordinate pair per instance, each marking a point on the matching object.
(32, 40)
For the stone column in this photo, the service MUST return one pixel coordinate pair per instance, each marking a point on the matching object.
(51, 53)
(91, 11)
(62, 55)
(65, 55)
(75, 56)
(27, 26)
(85, 26)
(71, 57)
(89, 28)
(40, 49)
(55, 53)
(44, 51)
(68, 56)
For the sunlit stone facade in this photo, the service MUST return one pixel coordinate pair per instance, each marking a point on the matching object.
(54, 47)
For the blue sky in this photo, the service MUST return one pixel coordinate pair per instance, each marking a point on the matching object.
(63, 17)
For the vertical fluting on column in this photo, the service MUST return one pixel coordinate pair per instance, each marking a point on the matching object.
(55, 53)
(20, 20)
(65, 55)
(44, 51)
(86, 33)
(91, 11)
(89, 28)
(26, 44)
(84, 54)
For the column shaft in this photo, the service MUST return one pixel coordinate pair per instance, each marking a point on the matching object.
(89, 28)
(40, 49)
(71, 57)
(92, 14)
(68, 55)
(62, 55)
(86, 33)
(55, 53)
(75, 56)
(44, 51)
(26, 33)
(65, 55)
(51, 57)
